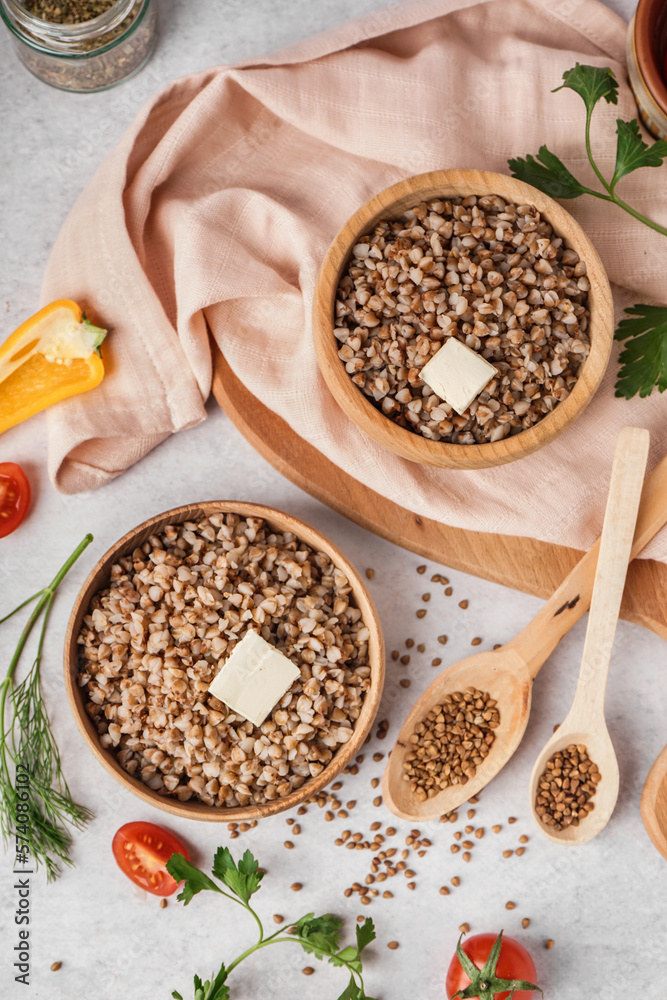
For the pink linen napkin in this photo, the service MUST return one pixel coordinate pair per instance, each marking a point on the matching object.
(224, 195)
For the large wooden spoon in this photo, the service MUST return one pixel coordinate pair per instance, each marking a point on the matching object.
(584, 725)
(653, 804)
(507, 673)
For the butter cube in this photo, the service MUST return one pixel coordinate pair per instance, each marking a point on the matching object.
(457, 374)
(254, 678)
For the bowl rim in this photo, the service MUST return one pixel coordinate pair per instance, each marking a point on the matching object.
(282, 521)
(646, 18)
(392, 201)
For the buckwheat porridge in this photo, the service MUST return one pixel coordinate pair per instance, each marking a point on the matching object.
(493, 275)
(174, 610)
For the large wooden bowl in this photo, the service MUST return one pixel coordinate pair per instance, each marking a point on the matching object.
(98, 579)
(391, 203)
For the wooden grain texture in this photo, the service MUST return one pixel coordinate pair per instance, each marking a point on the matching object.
(520, 563)
(98, 579)
(504, 676)
(625, 489)
(507, 673)
(654, 803)
(390, 203)
(585, 722)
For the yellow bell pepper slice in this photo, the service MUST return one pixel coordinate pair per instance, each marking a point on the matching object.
(53, 355)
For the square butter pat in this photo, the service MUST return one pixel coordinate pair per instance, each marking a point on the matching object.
(254, 678)
(457, 374)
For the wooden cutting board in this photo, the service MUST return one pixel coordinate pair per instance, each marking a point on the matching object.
(521, 563)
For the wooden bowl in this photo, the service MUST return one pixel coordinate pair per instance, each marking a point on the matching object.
(98, 579)
(391, 203)
(646, 51)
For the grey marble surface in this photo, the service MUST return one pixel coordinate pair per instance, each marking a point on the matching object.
(603, 904)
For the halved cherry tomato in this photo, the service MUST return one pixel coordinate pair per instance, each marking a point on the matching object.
(14, 497)
(141, 850)
(514, 962)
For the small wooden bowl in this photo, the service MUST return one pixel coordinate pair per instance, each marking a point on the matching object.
(646, 50)
(391, 203)
(99, 578)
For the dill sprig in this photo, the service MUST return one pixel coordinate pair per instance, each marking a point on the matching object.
(38, 809)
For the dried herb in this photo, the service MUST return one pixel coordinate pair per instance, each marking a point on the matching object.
(95, 58)
(67, 11)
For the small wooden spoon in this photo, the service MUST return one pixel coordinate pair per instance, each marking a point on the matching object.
(653, 804)
(585, 722)
(507, 673)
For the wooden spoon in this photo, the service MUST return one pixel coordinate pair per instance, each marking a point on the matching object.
(507, 673)
(653, 804)
(585, 722)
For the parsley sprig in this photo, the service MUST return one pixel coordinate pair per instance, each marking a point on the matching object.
(644, 357)
(318, 936)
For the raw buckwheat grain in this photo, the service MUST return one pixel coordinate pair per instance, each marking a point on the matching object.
(491, 274)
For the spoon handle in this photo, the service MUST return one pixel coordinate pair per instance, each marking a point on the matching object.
(572, 599)
(627, 476)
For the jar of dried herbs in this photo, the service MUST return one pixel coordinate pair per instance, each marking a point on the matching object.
(82, 45)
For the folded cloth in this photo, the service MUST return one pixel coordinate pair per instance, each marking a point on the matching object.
(220, 201)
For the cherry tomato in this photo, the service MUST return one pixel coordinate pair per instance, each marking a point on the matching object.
(141, 850)
(14, 497)
(514, 963)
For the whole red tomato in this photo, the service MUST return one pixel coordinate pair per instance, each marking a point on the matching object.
(14, 497)
(514, 963)
(141, 850)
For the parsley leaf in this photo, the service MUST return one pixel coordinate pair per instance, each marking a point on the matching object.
(591, 83)
(321, 933)
(216, 989)
(549, 175)
(193, 879)
(352, 991)
(632, 152)
(365, 934)
(242, 880)
(348, 956)
(644, 358)
(212, 989)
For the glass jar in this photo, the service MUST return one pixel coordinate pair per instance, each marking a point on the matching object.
(89, 56)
